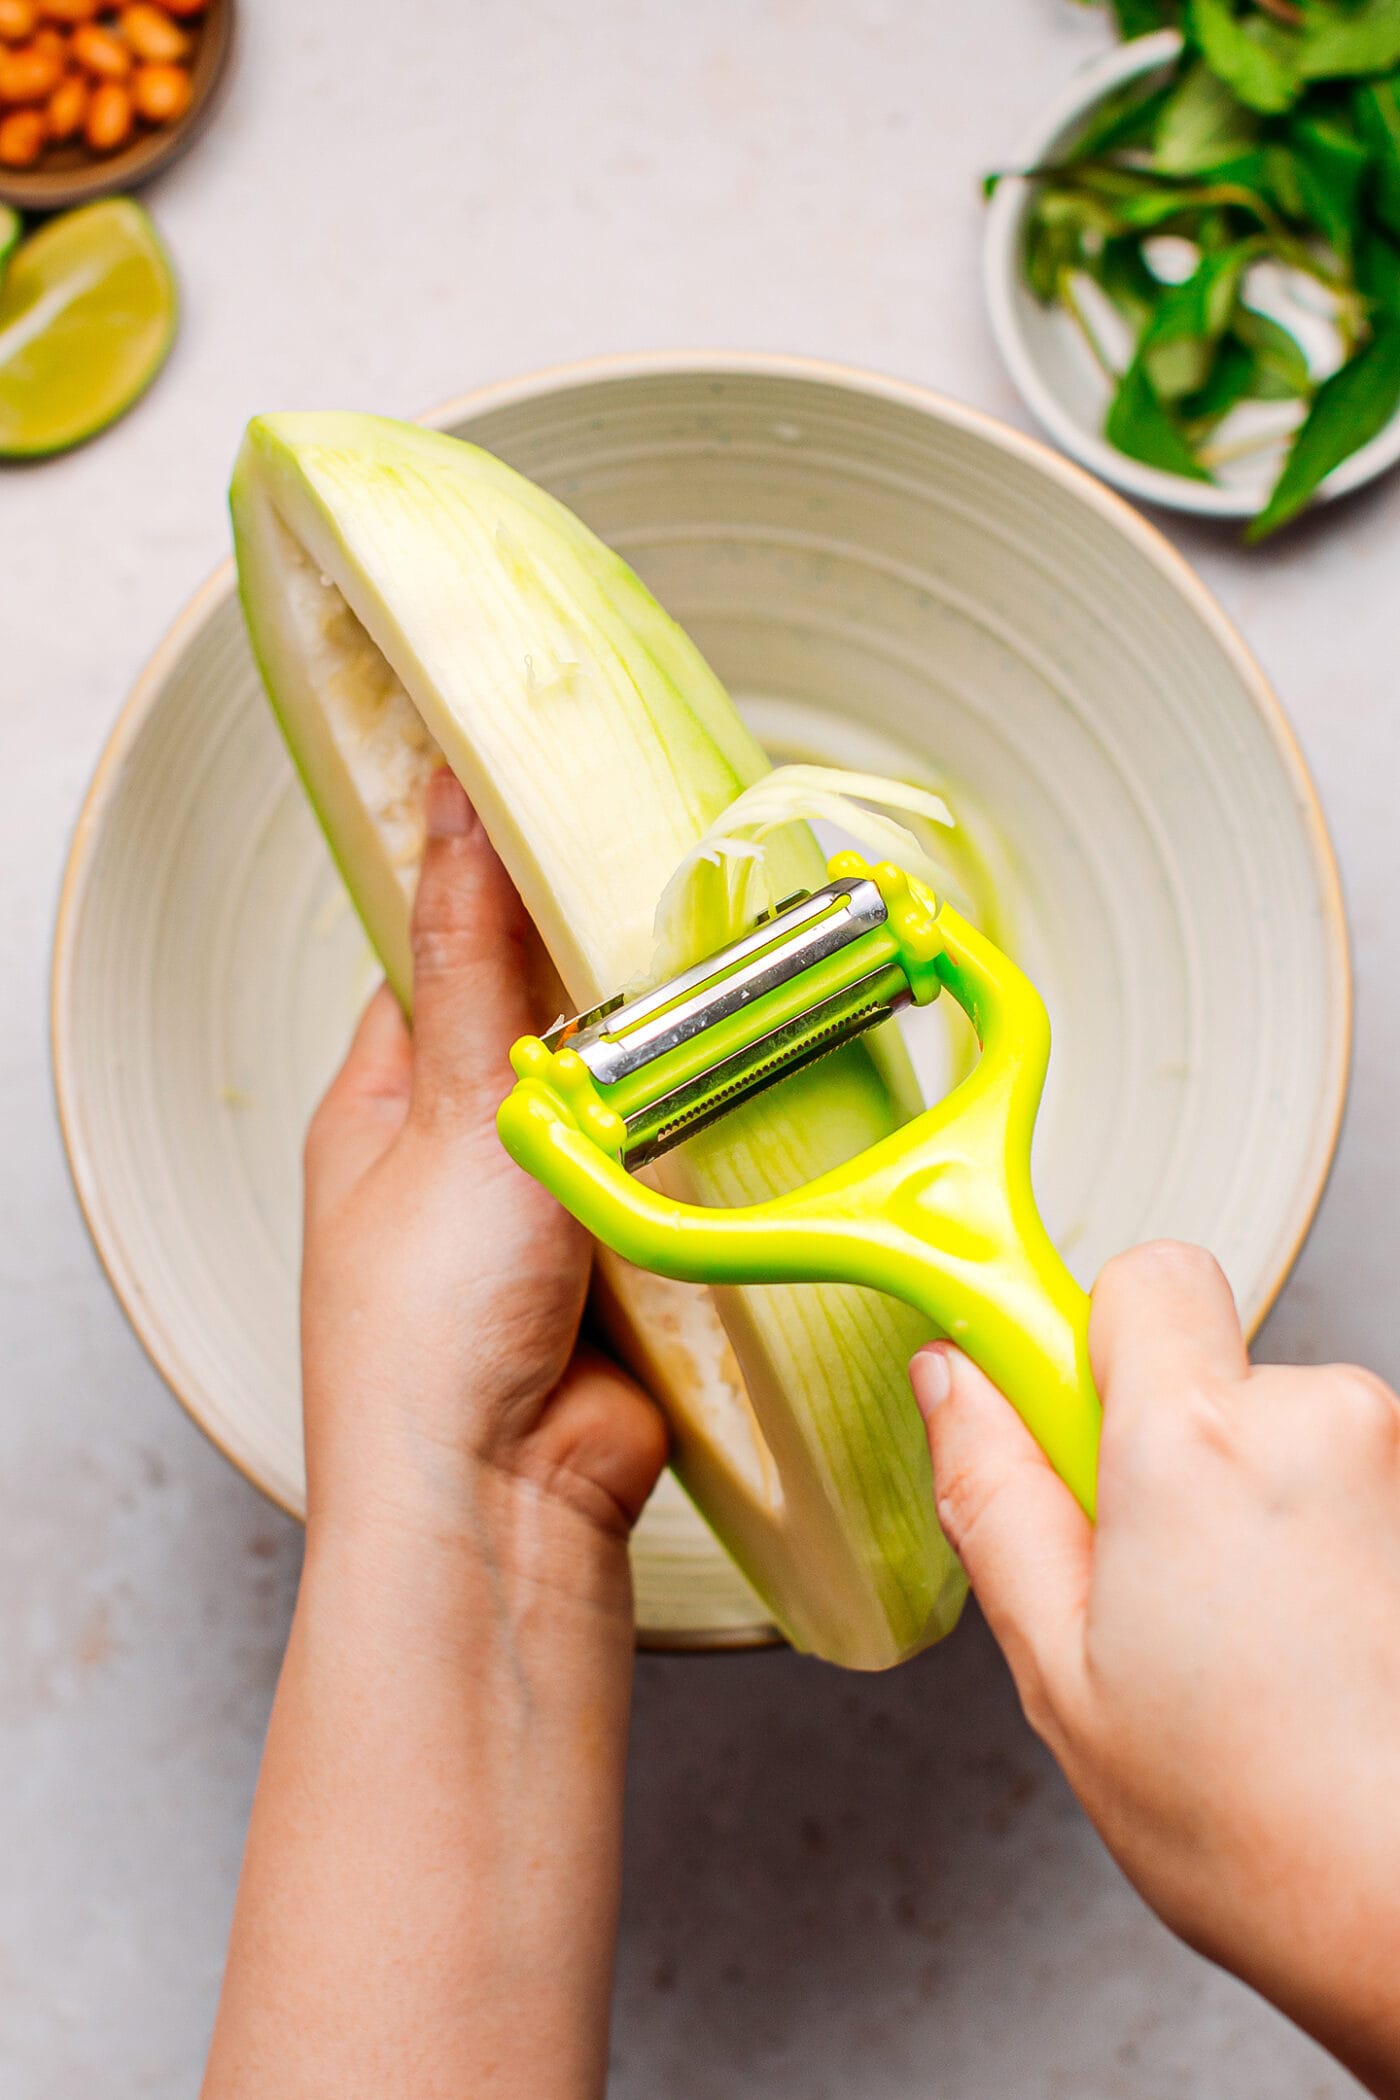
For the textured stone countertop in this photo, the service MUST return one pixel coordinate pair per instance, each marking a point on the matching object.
(838, 1889)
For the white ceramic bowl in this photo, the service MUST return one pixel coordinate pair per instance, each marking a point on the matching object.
(1047, 357)
(879, 575)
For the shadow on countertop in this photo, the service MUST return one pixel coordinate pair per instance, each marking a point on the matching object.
(880, 1888)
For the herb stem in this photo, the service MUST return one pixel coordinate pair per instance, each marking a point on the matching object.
(1242, 448)
(1070, 301)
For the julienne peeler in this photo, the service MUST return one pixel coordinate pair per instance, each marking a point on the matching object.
(941, 1213)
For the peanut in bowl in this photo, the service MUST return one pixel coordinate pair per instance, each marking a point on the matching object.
(96, 97)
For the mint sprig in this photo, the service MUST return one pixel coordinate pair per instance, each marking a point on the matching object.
(1276, 138)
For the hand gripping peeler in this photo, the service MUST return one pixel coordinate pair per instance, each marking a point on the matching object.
(941, 1213)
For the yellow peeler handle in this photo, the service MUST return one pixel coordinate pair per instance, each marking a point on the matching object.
(941, 1213)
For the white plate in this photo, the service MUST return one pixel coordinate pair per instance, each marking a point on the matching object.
(1050, 362)
(878, 573)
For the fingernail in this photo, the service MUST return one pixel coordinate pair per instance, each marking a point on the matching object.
(934, 1380)
(449, 814)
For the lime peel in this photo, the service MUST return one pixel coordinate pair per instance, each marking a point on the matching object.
(88, 312)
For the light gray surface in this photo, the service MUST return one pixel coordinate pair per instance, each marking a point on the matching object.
(837, 1887)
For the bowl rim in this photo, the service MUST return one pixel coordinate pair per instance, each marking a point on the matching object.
(161, 1347)
(1003, 288)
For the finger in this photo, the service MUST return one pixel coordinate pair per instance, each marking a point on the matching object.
(606, 1436)
(469, 994)
(1163, 1321)
(1018, 1531)
(364, 1107)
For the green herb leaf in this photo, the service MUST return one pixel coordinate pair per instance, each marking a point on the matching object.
(1260, 59)
(1138, 424)
(1378, 271)
(1127, 281)
(1232, 380)
(1341, 41)
(1141, 17)
(1281, 371)
(1177, 347)
(1377, 110)
(1127, 118)
(1049, 250)
(1282, 182)
(1201, 123)
(1143, 197)
(1058, 232)
(1331, 164)
(1144, 201)
(1243, 171)
(1153, 211)
(1347, 412)
(1128, 198)
(1115, 183)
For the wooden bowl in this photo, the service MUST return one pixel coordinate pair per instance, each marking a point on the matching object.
(71, 174)
(884, 579)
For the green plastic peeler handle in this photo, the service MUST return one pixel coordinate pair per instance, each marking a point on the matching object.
(941, 1213)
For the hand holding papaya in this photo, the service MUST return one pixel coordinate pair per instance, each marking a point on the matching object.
(430, 1886)
(442, 1289)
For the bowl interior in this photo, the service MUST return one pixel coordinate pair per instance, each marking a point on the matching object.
(70, 174)
(881, 579)
(1054, 369)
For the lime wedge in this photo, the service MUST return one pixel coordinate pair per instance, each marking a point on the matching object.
(87, 314)
(9, 234)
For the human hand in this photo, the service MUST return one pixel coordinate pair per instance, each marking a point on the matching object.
(445, 1387)
(1216, 1666)
(429, 1891)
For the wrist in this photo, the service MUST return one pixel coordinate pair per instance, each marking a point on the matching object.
(415, 1532)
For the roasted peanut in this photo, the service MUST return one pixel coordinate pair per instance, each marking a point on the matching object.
(109, 117)
(67, 108)
(152, 35)
(161, 93)
(70, 11)
(185, 9)
(17, 19)
(21, 138)
(99, 52)
(52, 40)
(28, 74)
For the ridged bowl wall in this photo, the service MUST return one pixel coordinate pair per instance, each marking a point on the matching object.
(880, 576)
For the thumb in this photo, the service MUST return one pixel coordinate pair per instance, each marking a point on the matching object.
(469, 995)
(1018, 1531)
(363, 1109)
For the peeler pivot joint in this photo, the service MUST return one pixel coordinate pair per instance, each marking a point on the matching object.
(912, 918)
(562, 1081)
